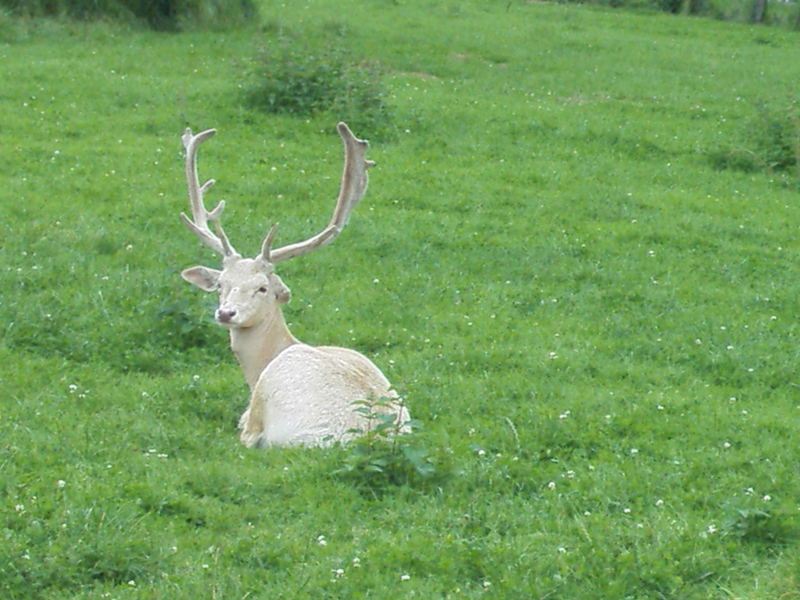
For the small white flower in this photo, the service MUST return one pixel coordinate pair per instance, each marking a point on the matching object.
(726, 445)
(19, 508)
(321, 540)
(551, 485)
(711, 529)
(659, 502)
(356, 562)
(486, 584)
(562, 550)
(627, 511)
(60, 483)
(405, 577)
(131, 582)
(481, 452)
(767, 498)
(634, 451)
(337, 572)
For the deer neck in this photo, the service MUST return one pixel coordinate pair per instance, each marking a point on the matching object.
(256, 346)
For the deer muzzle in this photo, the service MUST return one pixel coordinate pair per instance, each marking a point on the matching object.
(224, 315)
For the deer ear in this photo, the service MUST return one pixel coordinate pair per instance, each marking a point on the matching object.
(203, 277)
(282, 293)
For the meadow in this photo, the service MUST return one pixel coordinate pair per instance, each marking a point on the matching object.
(576, 261)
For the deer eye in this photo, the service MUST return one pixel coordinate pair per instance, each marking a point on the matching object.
(263, 289)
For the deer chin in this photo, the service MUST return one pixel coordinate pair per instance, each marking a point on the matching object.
(227, 324)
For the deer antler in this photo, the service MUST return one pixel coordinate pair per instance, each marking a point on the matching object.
(200, 216)
(353, 187)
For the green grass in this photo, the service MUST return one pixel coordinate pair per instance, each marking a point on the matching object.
(594, 322)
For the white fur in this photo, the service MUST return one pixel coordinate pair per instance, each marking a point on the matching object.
(307, 396)
(299, 395)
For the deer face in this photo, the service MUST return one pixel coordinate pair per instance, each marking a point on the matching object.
(249, 290)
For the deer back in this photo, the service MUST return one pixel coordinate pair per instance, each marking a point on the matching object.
(310, 395)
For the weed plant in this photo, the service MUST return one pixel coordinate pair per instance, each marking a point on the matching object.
(595, 325)
(387, 453)
(287, 76)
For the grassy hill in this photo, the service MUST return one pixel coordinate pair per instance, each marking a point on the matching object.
(577, 261)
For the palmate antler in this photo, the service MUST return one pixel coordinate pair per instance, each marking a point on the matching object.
(352, 189)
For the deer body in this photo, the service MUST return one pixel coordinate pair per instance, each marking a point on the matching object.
(306, 394)
(299, 394)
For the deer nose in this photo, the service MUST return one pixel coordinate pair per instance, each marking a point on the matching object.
(225, 316)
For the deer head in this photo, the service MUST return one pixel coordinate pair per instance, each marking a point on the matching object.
(250, 292)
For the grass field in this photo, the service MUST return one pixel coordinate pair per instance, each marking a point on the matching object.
(573, 262)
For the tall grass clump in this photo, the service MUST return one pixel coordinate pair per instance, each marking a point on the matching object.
(158, 14)
(770, 142)
(289, 77)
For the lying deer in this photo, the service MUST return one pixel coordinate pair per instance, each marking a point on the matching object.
(299, 394)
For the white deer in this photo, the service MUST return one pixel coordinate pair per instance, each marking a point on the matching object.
(299, 394)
